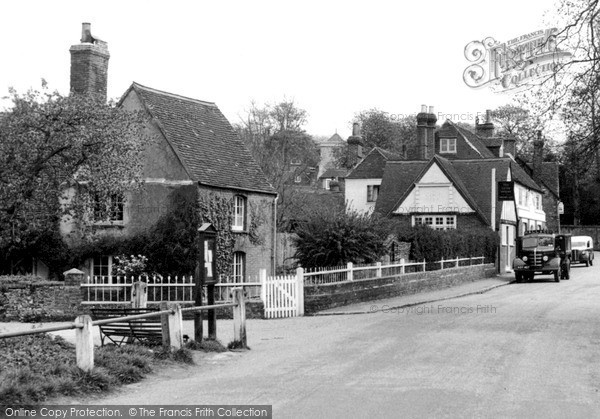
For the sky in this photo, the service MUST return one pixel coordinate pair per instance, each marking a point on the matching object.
(332, 58)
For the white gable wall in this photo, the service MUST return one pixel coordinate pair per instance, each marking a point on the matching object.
(434, 194)
(356, 194)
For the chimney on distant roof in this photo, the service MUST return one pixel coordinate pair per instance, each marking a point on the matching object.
(89, 65)
(487, 128)
(426, 120)
(538, 156)
(355, 146)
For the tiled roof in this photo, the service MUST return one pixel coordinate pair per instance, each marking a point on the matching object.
(549, 175)
(474, 140)
(472, 178)
(398, 177)
(339, 173)
(204, 141)
(371, 167)
(334, 140)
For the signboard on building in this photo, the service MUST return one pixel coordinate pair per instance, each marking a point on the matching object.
(506, 191)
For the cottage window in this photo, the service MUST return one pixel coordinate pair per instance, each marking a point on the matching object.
(239, 266)
(327, 184)
(298, 179)
(447, 145)
(113, 209)
(372, 193)
(101, 269)
(239, 213)
(437, 222)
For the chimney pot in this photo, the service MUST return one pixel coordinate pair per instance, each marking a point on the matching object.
(86, 32)
(355, 129)
(488, 116)
(424, 108)
(431, 109)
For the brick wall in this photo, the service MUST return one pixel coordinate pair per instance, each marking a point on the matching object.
(322, 297)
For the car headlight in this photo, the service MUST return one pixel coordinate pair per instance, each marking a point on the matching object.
(545, 258)
(524, 258)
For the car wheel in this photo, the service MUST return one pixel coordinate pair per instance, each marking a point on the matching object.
(587, 263)
(557, 276)
(518, 277)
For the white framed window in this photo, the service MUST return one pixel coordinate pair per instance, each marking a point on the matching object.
(328, 184)
(372, 193)
(101, 269)
(436, 221)
(298, 179)
(296, 162)
(239, 213)
(111, 211)
(239, 266)
(447, 145)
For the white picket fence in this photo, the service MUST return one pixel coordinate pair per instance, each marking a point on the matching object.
(353, 272)
(282, 296)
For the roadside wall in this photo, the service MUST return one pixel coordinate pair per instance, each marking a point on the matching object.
(322, 297)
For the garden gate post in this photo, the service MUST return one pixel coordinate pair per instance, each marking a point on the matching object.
(84, 341)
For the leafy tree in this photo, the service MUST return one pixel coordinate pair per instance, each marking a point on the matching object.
(333, 237)
(51, 144)
(284, 151)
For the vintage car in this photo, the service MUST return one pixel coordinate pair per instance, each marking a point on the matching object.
(582, 250)
(542, 253)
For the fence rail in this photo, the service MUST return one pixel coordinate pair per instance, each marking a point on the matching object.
(352, 272)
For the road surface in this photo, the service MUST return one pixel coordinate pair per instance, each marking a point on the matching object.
(522, 350)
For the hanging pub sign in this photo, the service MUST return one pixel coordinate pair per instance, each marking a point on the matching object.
(506, 191)
(207, 254)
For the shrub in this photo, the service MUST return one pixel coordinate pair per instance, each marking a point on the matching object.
(336, 237)
(434, 245)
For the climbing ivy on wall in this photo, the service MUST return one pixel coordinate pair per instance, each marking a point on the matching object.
(218, 210)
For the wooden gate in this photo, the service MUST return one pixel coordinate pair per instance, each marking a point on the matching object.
(283, 296)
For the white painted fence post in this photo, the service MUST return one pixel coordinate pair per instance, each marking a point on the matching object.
(442, 263)
(402, 266)
(424, 268)
(378, 269)
(300, 291)
(457, 261)
(350, 276)
(172, 326)
(139, 295)
(239, 317)
(84, 341)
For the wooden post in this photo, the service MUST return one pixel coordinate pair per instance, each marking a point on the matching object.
(175, 327)
(378, 269)
(300, 290)
(442, 263)
(350, 275)
(263, 285)
(212, 313)
(239, 317)
(139, 295)
(84, 341)
(164, 322)
(198, 330)
(402, 266)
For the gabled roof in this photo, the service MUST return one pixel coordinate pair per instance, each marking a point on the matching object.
(472, 178)
(204, 141)
(398, 177)
(473, 140)
(371, 167)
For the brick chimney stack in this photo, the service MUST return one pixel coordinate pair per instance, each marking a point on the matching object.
(355, 145)
(538, 156)
(487, 128)
(89, 65)
(426, 120)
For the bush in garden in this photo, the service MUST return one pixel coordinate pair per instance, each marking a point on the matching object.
(335, 237)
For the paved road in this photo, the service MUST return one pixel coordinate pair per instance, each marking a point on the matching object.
(522, 350)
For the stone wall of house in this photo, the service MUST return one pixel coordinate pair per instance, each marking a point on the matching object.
(322, 297)
(39, 301)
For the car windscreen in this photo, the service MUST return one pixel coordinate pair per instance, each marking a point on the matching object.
(582, 244)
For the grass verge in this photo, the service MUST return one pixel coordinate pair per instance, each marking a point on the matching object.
(36, 367)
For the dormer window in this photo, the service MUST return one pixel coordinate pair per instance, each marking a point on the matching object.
(448, 145)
